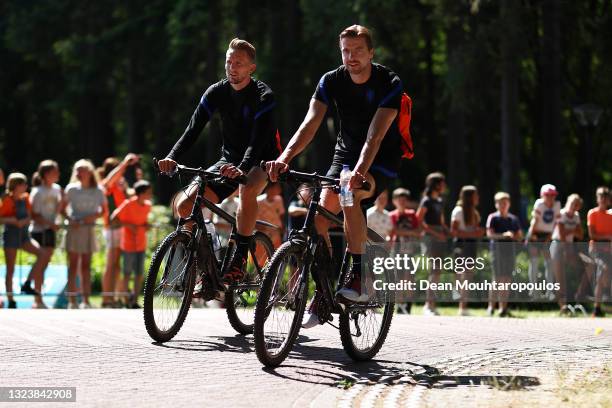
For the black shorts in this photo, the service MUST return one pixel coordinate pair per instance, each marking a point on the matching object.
(466, 247)
(45, 238)
(225, 187)
(381, 180)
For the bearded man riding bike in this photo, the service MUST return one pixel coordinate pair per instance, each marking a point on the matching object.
(367, 97)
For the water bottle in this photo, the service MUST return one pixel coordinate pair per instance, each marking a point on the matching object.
(214, 237)
(346, 195)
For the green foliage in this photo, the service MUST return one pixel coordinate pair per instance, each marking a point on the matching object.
(95, 79)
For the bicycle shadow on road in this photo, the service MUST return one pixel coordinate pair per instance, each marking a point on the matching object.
(233, 344)
(331, 366)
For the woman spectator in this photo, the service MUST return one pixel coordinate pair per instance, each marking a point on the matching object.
(431, 219)
(15, 214)
(466, 229)
(84, 204)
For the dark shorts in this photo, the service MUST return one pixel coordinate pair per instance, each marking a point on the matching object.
(133, 263)
(503, 258)
(45, 238)
(14, 237)
(225, 187)
(466, 248)
(382, 179)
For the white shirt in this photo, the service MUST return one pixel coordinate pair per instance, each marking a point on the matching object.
(546, 216)
(379, 221)
(457, 215)
(570, 224)
(45, 201)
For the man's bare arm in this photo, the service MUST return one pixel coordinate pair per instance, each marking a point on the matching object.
(382, 120)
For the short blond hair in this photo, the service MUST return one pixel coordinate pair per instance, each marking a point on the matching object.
(238, 44)
(501, 195)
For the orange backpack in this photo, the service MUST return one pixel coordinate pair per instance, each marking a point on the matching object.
(403, 123)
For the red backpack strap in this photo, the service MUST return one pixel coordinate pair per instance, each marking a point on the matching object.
(279, 146)
(403, 124)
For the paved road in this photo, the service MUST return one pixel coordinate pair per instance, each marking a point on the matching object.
(431, 362)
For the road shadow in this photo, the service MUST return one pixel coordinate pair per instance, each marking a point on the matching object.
(316, 364)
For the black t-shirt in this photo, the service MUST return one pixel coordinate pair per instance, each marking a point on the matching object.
(356, 105)
(247, 120)
(434, 207)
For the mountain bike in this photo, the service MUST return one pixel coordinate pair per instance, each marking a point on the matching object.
(284, 292)
(185, 257)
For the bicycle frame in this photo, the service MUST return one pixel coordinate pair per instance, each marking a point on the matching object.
(309, 238)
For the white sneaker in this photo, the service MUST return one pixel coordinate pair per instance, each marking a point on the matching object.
(430, 312)
(464, 312)
(84, 305)
(310, 320)
(490, 311)
(351, 292)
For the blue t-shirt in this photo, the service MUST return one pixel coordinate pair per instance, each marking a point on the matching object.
(501, 224)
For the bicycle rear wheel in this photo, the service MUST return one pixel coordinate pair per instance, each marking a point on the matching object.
(280, 305)
(240, 299)
(169, 287)
(364, 328)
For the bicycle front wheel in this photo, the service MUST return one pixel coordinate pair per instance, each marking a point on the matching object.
(280, 305)
(240, 299)
(364, 328)
(169, 287)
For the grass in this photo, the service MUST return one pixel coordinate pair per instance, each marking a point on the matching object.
(592, 388)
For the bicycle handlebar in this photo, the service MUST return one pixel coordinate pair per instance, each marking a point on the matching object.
(292, 175)
(208, 175)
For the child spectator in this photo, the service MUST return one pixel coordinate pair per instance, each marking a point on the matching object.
(405, 233)
(84, 204)
(15, 214)
(546, 211)
(599, 222)
(133, 215)
(466, 229)
(46, 201)
(378, 217)
(566, 229)
(431, 218)
(272, 209)
(503, 230)
(115, 189)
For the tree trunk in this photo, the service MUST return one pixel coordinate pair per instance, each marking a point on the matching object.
(511, 140)
(550, 77)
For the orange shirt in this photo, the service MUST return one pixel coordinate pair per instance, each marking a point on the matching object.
(115, 196)
(133, 237)
(600, 221)
(7, 205)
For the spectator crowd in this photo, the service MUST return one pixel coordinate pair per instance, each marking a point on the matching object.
(413, 225)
